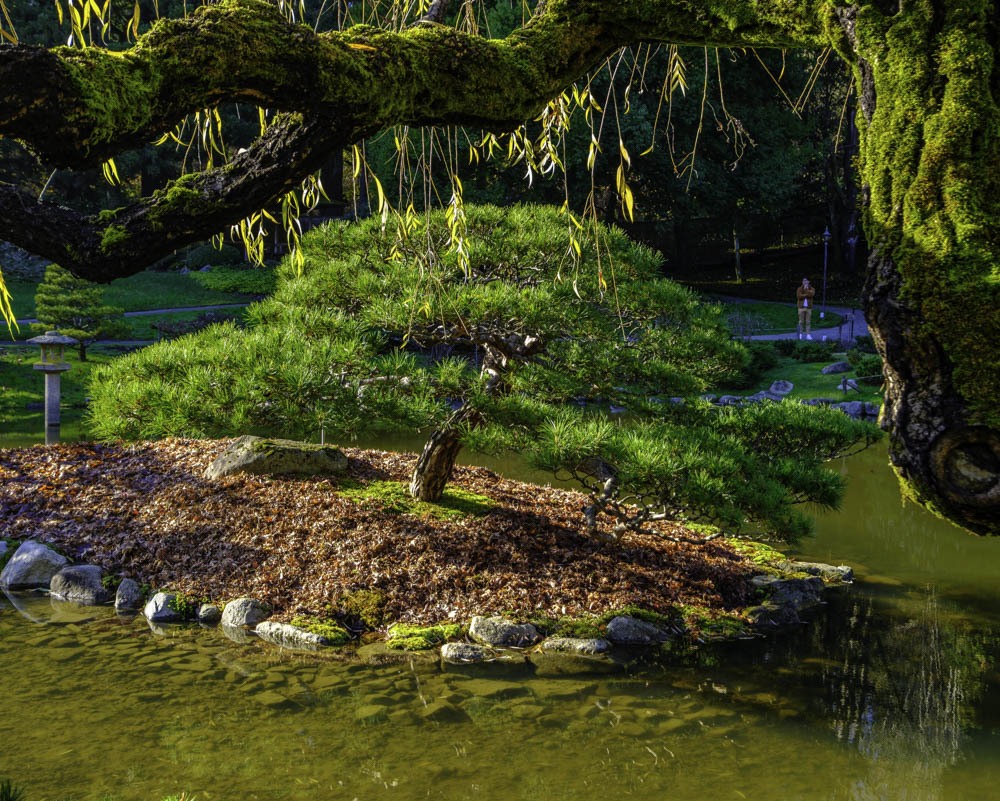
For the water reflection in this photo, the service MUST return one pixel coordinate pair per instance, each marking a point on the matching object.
(890, 693)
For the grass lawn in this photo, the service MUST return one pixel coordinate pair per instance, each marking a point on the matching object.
(148, 290)
(21, 384)
(809, 383)
(142, 327)
(151, 290)
(748, 319)
(22, 296)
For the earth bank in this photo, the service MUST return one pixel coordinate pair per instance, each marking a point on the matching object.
(348, 551)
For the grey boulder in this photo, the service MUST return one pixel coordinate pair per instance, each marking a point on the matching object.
(244, 612)
(288, 636)
(501, 632)
(31, 567)
(128, 598)
(80, 584)
(260, 456)
(159, 609)
(628, 630)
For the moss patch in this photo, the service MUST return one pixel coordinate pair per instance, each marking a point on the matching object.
(365, 606)
(394, 496)
(576, 628)
(714, 624)
(757, 552)
(333, 632)
(404, 637)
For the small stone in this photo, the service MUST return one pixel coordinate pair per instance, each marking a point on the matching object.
(501, 632)
(463, 652)
(244, 612)
(80, 584)
(576, 645)
(289, 636)
(796, 593)
(837, 573)
(158, 609)
(259, 456)
(836, 367)
(209, 614)
(627, 630)
(128, 598)
(781, 387)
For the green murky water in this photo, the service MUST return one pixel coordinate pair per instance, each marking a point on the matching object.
(892, 692)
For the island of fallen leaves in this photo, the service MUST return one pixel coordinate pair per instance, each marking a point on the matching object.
(146, 511)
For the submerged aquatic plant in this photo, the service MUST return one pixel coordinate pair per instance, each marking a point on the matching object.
(10, 792)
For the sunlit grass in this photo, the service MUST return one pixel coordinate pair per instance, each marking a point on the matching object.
(22, 392)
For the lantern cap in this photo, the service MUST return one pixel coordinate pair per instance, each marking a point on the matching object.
(52, 338)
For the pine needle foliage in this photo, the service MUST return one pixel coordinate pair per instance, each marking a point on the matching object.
(75, 307)
(388, 332)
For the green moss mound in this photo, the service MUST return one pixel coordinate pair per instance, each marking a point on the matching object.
(404, 637)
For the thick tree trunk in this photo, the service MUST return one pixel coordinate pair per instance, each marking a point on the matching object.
(930, 165)
(435, 465)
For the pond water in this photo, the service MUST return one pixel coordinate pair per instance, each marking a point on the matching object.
(891, 693)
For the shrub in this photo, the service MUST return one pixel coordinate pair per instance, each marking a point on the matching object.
(762, 356)
(807, 351)
(248, 281)
(865, 344)
(171, 329)
(867, 367)
(200, 255)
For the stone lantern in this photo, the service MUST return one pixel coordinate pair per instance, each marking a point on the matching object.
(53, 345)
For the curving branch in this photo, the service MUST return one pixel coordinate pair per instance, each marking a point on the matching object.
(77, 108)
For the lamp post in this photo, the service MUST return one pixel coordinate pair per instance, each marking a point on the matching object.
(53, 345)
(826, 250)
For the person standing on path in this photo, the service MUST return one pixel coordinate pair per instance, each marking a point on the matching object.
(804, 300)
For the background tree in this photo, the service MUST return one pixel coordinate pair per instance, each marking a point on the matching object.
(927, 87)
(76, 308)
(512, 345)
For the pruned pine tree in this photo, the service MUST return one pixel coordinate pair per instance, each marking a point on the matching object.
(75, 307)
(577, 361)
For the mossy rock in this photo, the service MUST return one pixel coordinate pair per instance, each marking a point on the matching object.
(328, 630)
(259, 456)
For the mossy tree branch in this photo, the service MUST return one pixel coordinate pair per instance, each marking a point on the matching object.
(80, 107)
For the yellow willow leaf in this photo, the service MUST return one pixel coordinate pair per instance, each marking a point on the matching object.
(358, 46)
(59, 12)
(110, 172)
(356, 160)
(6, 310)
(624, 151)
(628, 202)
(133, 26)
(382, 205)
